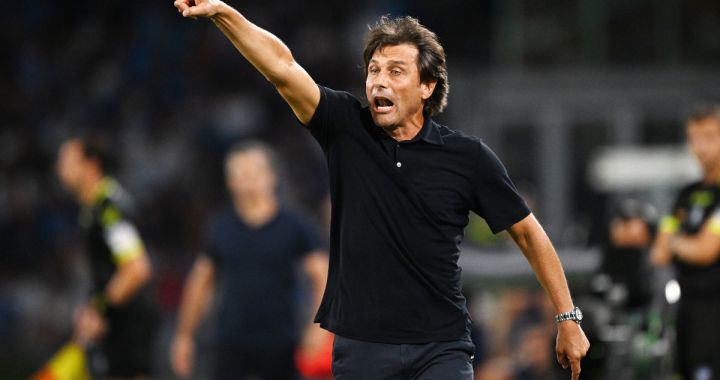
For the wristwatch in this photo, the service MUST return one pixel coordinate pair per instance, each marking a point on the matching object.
(573, 315)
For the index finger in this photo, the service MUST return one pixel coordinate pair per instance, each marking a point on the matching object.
(181, 5)
(575, 366)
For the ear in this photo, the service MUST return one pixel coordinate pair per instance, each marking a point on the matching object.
(427, 89)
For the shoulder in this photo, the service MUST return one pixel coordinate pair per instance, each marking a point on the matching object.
(330, 95)
(457, 139)
(115, 203)
(469, 145)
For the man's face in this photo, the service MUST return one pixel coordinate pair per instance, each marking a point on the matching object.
(249, 173)
(393, 88)
(71, 165)
(704, 140)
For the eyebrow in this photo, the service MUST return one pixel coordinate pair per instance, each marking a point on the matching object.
(391, 62)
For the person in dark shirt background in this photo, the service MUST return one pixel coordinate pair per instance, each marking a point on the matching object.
(253, 249)
(626, 258)
(689, 238)
(119, 317)
(401, 187)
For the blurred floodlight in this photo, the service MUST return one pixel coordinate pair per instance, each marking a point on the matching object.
(672, 291)
(642, 168)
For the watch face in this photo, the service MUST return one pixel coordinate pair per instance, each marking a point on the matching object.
(578, 314)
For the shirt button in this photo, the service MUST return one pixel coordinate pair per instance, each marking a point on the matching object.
(399, 164)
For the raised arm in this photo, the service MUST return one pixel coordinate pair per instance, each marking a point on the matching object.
(571, 344)
(263, 50)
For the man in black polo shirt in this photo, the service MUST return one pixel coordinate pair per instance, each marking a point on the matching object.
(401, 187)
(689, 238)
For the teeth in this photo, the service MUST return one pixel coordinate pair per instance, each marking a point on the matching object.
(383, 103)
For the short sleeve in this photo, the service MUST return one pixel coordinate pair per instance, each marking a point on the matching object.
(714, 222)
(209, 240)
(495, 197)
(669, 224)
(333, 113)
(120, 235)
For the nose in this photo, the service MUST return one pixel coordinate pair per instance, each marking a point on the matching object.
(379, 80)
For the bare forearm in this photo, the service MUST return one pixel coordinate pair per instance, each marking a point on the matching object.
(261, 48)
(316, 267)
(571, 344)
(270, 56)
(660, 254)
(128, 279)
(543, 259)
(693, 250)
(195, 298)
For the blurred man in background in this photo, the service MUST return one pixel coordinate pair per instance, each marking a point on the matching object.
(690, 238)
(252, 252)
(119, 317)
(625, 259)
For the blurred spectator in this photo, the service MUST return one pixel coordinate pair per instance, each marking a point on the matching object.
(250, 257)
(689, 238)
(119, 317)
(624, 275)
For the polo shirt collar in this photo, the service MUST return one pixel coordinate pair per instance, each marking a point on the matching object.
(429, 133)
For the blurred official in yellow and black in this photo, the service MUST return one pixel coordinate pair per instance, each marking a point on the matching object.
(119, 318)
(689, 238)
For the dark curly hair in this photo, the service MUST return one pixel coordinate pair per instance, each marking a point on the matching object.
(431, 55)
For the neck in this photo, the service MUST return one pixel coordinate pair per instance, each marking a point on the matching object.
(407, 130)
(712, 174)
(87, 193)
(256, 210)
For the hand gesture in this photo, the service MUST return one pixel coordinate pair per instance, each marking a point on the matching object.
(571, 346)
(90, 326)
(198, 8)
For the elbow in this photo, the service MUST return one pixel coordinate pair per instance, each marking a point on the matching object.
(147, 271)
(143, 271)
(280, 75)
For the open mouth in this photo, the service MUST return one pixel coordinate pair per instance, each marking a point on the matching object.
(383, 104)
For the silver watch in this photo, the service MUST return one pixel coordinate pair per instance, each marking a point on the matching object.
(573, 315)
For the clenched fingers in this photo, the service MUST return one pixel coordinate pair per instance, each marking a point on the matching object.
(563, 360)
(182, 5)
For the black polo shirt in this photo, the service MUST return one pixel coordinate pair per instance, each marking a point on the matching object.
(398, 215)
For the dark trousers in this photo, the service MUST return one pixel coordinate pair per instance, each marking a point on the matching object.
(129, 345)
(359, 360)
(698, 337)
(234, 363)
